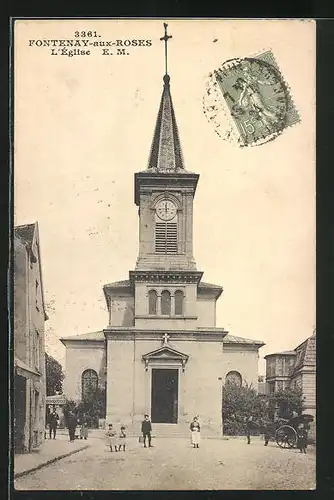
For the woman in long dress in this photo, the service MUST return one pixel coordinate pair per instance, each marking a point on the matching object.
(195, 432)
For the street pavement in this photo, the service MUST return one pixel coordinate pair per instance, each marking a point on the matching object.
(172, 464)
(51, 450)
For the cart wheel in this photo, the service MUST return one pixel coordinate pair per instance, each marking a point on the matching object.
(286, 437)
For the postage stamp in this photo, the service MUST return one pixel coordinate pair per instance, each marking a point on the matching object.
(254, 94)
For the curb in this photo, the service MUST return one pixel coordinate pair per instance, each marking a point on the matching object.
(48, 462)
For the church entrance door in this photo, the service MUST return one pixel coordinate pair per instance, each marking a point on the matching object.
(164, 407)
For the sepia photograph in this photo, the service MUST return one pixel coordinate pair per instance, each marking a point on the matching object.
(164, 243)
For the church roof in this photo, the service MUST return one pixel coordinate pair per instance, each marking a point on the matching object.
(233, 339)
(98, 336)
(166, 155)
(85, 336)
(118, 284)
(204, 284)
(217, 289)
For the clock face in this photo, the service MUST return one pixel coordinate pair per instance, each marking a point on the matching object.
(166, 210)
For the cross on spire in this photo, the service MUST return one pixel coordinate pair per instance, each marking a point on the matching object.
(165, 38)
(166, 155)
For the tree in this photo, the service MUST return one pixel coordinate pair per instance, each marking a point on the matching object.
(239, 402)
(54, 375)
(93, 407)
(284, 403)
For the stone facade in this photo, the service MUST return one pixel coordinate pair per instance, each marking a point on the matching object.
(162, 352)
(83, 355)
(28, 338)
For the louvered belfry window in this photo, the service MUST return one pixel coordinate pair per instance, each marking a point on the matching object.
(166, 237)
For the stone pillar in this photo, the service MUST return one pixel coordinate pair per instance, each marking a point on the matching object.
(159, 304)
(172, 304)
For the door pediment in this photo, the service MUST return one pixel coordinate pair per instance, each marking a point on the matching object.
(165, 353)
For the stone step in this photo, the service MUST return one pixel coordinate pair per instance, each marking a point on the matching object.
(171, 430)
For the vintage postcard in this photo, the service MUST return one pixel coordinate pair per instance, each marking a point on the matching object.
(164, 328)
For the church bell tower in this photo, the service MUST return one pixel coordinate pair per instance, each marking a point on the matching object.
(164, 193)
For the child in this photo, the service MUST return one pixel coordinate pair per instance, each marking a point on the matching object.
(111, 435)
(195, 432)
(302, 439)
(84, 430)
(122, 439)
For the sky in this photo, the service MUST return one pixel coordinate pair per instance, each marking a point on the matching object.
(83, 126)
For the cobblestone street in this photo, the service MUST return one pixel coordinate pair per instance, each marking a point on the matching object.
(172, 464)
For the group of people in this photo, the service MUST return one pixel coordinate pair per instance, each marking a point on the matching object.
(72, 423)
(117, 440)
(267, 425)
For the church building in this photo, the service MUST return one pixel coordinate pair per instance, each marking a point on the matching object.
(161, 352)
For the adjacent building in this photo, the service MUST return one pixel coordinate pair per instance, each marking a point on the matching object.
(296, 368)
(28, 340)
(161, 351)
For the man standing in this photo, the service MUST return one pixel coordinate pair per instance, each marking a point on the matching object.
(302, 439)
(71, 425)
(146, 428)
(53, 423)
(267, 430)
(249, 424)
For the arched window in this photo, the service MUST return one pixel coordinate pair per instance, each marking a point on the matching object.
(89, 384)
(233, 378)
(152, 302)
(165, 302)
(179, 296)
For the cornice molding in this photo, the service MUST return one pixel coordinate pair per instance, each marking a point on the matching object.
(174, 335)
(179, 180)
(166, 276)
(168, 318)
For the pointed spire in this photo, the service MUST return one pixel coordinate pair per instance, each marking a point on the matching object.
(166, 154)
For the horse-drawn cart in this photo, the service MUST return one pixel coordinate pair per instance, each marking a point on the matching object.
(286, 431)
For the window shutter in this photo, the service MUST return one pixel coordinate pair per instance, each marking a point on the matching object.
(166, 237)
